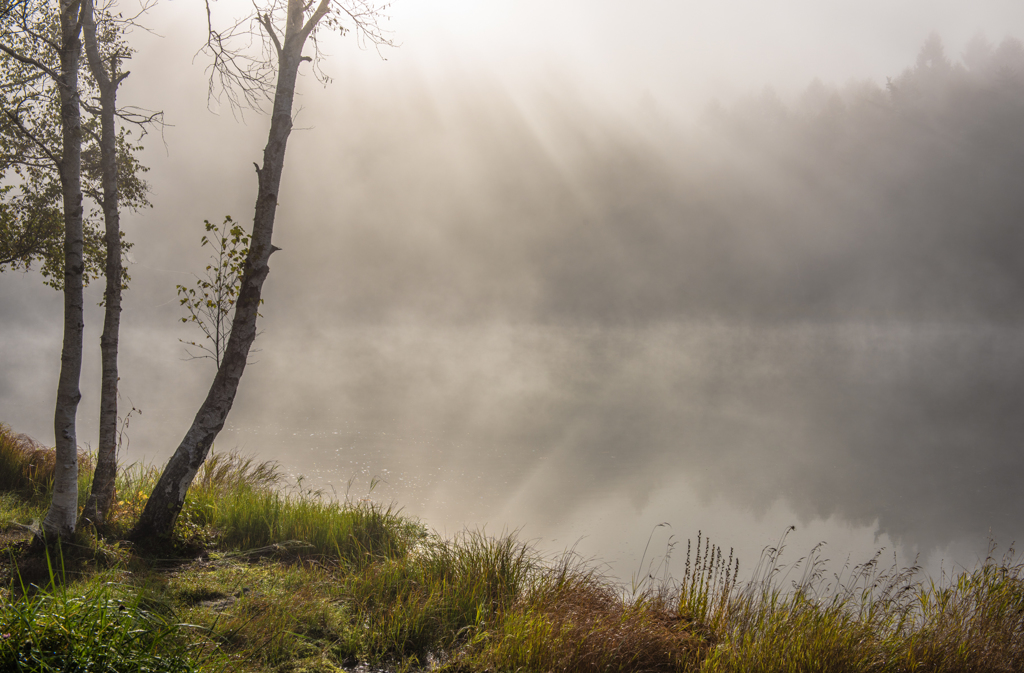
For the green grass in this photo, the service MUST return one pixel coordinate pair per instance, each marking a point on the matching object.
(249, 518)
(265, 578)
(98, 625)
(572, 619)
(26, 476)
(870, 619)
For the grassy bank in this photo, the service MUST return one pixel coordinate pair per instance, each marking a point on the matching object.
(262, 578)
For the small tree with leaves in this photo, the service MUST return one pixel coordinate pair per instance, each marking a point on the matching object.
(209, 304)
(252, 75)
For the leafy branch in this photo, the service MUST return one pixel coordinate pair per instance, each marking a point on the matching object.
(210, 303)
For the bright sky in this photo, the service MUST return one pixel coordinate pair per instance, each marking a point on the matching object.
(682, 53)
(680, 48)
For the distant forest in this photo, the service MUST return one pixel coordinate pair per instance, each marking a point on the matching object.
(904, 201)
(861, 202)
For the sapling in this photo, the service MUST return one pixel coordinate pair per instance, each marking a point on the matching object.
(210, 302)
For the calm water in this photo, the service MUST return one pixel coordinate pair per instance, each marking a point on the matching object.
(893, 436)
(904, 436)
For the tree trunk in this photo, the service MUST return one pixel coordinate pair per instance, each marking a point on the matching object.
(61, 518)
(102, 495)
(168, 497)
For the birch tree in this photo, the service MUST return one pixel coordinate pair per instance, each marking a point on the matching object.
(105, 55)
(42, 133)
(286, 29)
(40, 58)
(32, 224)
(31, 213)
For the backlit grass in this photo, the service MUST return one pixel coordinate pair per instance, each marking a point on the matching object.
(267, 578)
(27, 468)
(98, 625)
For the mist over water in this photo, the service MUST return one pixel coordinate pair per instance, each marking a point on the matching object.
(908, 431)
(523, 309)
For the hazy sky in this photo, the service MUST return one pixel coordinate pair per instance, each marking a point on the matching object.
(533, 277)
(687, 51)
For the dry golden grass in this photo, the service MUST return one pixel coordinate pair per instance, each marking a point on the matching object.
(27, 467)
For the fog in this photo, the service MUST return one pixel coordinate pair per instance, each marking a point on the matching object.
(583, 272)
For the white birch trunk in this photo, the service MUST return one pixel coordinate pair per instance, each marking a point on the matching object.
(102, 494)
(63, 513)
(165, 503)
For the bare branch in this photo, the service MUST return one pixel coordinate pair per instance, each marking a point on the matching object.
(264, 19)
(367, 18)
(244, 80)
(144, 7)
(314, 19)
(243, 74)
(141, 117)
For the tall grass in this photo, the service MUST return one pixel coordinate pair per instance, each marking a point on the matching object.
(242, 500)
(132, 488)
(250, 518)
(26, 478)
(97, 627)
(792, 618)
(238, 504)
(573, 619)
(867, 618)
(430, 600)
(27, 467)
(703, 596)
(973, 623)
(298, 581)
(850, 623)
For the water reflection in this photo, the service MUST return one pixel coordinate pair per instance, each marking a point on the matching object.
(863, 435)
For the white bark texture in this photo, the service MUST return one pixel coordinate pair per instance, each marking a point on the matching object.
(63, 513)
(102, 494)
(165, 503)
